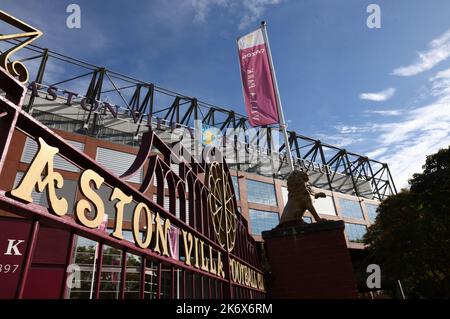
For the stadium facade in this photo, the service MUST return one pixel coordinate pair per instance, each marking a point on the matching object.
(105, 115)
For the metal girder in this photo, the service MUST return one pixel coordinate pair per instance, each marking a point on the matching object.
(142, 103)
(193, 109)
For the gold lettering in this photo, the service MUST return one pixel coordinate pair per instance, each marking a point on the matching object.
(233, 272)
(123, 200)
(238, 271)
(220, 270)
(204, 260)
(196, 252)
(212, 267)
(84, 206)
(253, 282)
(243, 274)
(187, 240)
(136, 225)
(161, 235)
(52, 180)
(261, 282)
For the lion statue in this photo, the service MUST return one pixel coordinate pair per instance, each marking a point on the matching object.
(299, 198)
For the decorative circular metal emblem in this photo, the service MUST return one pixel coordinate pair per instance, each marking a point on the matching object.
(222, 205)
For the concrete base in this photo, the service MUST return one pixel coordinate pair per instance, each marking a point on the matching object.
(309, 261)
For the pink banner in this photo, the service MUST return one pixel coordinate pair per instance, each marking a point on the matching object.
(257, 82)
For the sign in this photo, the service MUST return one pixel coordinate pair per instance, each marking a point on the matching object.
(42, 177)
(257, 82)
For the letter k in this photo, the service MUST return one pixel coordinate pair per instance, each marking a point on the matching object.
(13, 247)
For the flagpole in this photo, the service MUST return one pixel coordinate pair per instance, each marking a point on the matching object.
(277, 93)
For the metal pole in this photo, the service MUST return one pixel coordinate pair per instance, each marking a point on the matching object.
(277, 93)
(94, 266)
(401, 289)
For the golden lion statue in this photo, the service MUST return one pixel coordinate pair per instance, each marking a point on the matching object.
(299, 198)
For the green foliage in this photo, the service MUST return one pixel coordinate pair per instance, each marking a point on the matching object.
(410, 238)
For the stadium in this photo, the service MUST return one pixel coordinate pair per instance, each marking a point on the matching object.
(107, 116)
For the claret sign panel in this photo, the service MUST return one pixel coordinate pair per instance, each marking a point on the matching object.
(126, 244)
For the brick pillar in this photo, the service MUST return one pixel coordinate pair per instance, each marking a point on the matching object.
(309, 261)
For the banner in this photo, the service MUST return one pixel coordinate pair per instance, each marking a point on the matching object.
(257, 82)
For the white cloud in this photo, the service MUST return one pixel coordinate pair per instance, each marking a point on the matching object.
(385, 112)
(349, 129)
(340, 141)
(439, 50)
(418, 122)
(202, 8)
(378, 97)
(445, 74)
(248, 11)
(440, 84)
(408, 158)
(418, 132)
(254, 10)
(377, 152)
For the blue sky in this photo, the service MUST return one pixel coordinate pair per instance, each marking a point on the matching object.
(382, 92)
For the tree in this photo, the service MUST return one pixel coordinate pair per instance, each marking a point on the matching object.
(410, 238)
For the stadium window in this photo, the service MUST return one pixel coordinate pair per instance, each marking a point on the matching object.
(371, 211)
(262, 220)
(261, 193)
(355, 232)
(324, 206)
(350, 208)
(236, 186)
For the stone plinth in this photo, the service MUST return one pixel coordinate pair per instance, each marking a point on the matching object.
(309, 261)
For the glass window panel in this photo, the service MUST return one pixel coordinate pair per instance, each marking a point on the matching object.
(166, 282)
(324, 206)
(350, 208)
(261, 193)
(133, 277)
(111, 270)
(262, 220)
(355, 232)
(151, 280)
(372, 211)
(236, 186)
(84, 257)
